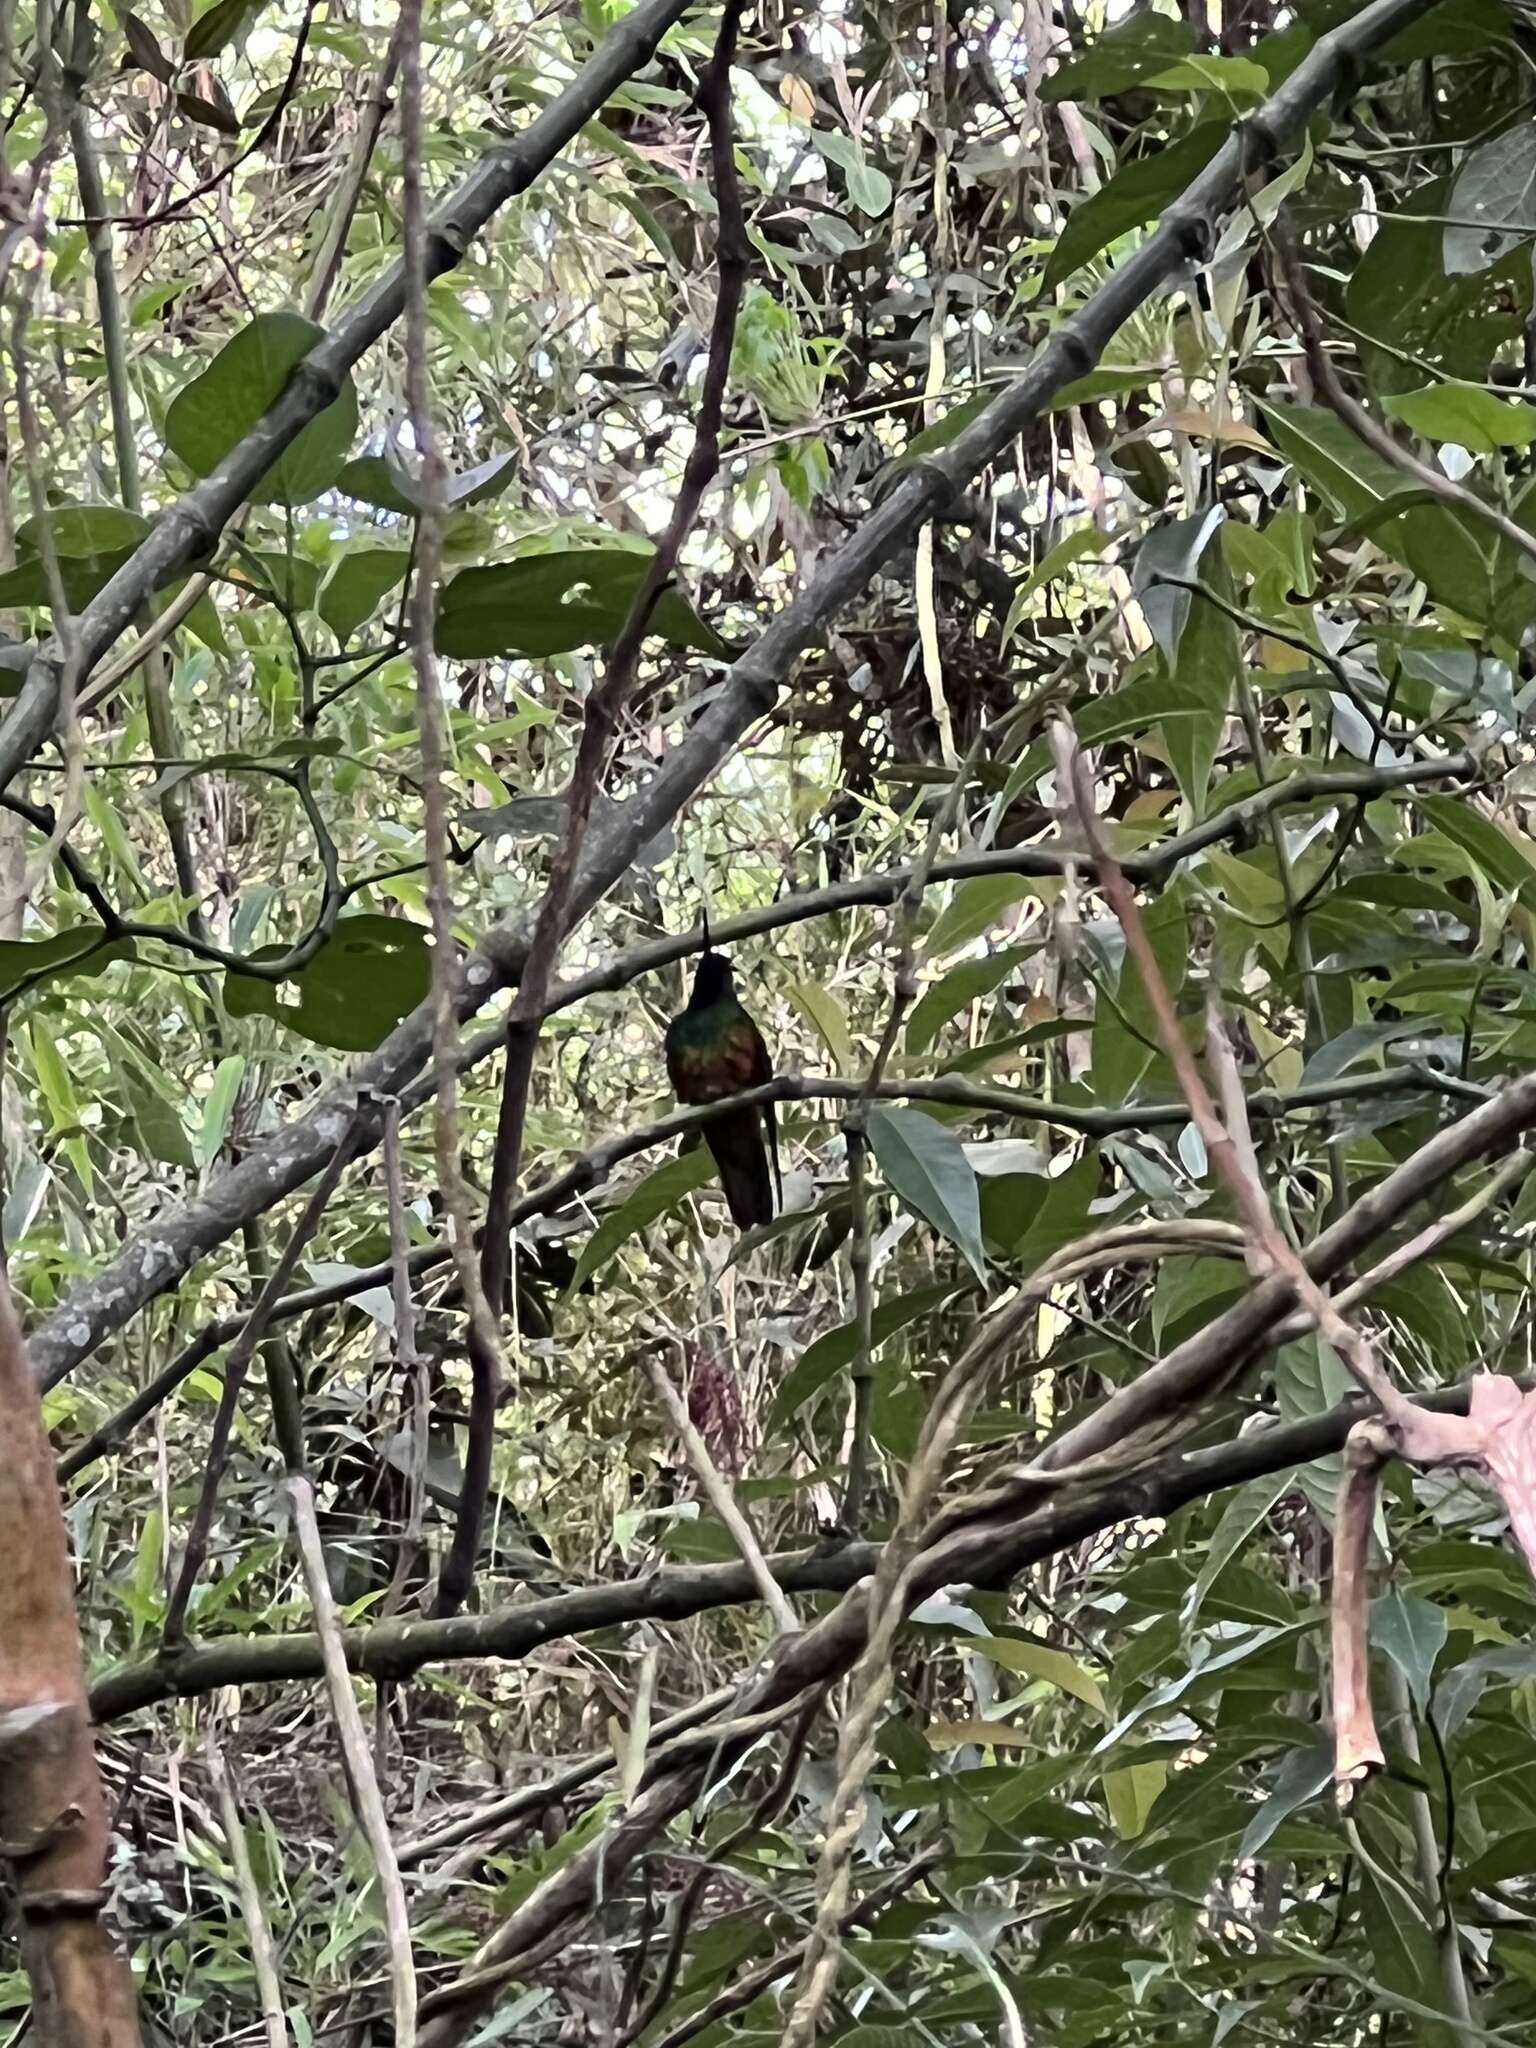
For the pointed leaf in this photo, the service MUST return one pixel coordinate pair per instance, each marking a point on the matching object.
(926, 1164)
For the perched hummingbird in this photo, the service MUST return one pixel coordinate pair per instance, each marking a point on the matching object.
(715, 1049)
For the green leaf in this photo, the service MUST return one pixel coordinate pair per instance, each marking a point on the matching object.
(550, 604)
(1125, 1031)
(975, 907)
(1087, 541)
(956, 991)
(658, 1194)
(1497, 184)
(356, 586)
(1124, 56)
(1131, 1791)
(1458, 1693)
(145, 48)
(375, 480)
(826, 1016)
(1309, 1380)
(79, 949)
(1504, 857)
(162, 1134)
(1301, 1776)
(90, 543)
(1203, 674)
(868, 186)
(836, 1348)
(1466, 414)
(1400, 296)
(219, 408)
(218, 26)
(1243, 1513)
(372, 971)
(931, 439)
(1232, 77)
(926, 1164)
(219, 1107)
(1135, 195)
(1412, 1632)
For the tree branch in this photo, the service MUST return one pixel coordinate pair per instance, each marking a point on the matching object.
(157, 1260)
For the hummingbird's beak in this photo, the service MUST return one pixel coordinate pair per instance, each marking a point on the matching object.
(708, 947)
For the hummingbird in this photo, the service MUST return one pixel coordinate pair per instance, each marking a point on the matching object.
(715, 1049)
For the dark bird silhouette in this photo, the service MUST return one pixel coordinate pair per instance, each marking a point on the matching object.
(715, 1049)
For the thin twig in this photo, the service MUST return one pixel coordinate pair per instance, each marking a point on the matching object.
(487, 1365)
(1226, 1143)
(236, 1366)
(258, 1929)
(721, 1499)
(358, 1752)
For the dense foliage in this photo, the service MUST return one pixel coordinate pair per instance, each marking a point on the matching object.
(1266, 538)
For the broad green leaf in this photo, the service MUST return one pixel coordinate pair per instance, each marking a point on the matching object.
(1458, 1693)
(1309, 1380)
(1400, 295)
(956, 991)
(1125, 1030)
(357, 585)
(1204, 671)
(219, 1107)
(1505, 857)
(549, 604)
(1034, 1214)
(1231, 77)
(944, 430)
(1174, 551)
(868, 186)
(1466, 414)
(926, 1164)
(837, 1348)
(1412, 1632)
(1134, 196)
(1123, 56)
(375, 480)
(1497, 184)
(975, 907)
(1028, 1659)
(213, 413)
(662, 1191)
(90, 544)
(79, 949)
(372, 971)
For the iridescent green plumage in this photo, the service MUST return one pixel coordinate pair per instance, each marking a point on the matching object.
(715, 1049)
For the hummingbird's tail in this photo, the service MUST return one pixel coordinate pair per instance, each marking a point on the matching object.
(736, 1141)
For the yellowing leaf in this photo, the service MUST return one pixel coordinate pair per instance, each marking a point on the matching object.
(798, 97)
(1205, 426)
(1039, 1660)
(1130, 1793)
(986, 1734)
(825, 1015)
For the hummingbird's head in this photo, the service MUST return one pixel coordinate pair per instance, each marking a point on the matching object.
(711, 980)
